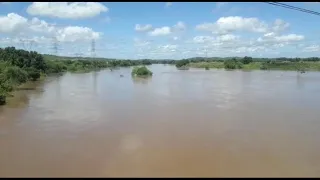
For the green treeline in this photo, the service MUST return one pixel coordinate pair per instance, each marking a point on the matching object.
(19, 66)
(249, 63)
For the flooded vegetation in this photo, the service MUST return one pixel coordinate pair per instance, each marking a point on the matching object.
(141, 71)
(195, 123)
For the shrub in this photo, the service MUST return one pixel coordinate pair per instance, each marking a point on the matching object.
(264, 66)
(2, 99)
(55, 67)
(15, 75)
(247, 60)
(141, 71)
(182, 63)
(232, 64)
(33, 73)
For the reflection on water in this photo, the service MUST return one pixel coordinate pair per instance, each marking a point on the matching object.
(177, 123)
(141, 80)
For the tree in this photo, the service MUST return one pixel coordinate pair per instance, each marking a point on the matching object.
(146, 62)
(232, 64)
(247, 60)
(33, 73)
(15, 75)
(182, 63)
(141, 71)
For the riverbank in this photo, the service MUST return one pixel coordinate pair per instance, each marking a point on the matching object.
(285, 66)
(18, 67)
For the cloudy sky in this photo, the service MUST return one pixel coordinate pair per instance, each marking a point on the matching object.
(161, 29)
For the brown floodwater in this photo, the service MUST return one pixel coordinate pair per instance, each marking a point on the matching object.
(193, 123)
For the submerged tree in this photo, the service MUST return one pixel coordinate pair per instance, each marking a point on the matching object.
(141, 71)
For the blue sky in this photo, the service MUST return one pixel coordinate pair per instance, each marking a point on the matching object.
(161, 29)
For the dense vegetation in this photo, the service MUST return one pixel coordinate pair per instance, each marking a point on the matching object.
(18, 66)
(232, 64)
(182, 63)
(249, 63)
(141, 71)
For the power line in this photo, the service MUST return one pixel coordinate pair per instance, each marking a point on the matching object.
(293, 8)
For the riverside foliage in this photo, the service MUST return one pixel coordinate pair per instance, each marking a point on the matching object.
(19, 66)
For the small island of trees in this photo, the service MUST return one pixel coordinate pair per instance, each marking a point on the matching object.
(141, 71)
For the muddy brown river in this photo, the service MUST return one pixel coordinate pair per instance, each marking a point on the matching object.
(193, 123)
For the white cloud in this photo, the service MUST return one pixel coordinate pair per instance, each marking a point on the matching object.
(206, 27)
(227, 37)
(160, 31)
(143, 28)
(12, 23)
(168, 4)
(270, 34)
(76, 33)
(229, 44)
(15, 24)
(312, 48)
(66, 10)
(249, 49)
(35, 39)
(140, 43)
(203, 39)
(180, 26)
(224, 41)
(168, 48)
(220, 4)
(280, 26)
(281, 39)
(213, 40)
(40, 26)
(290, 37)
(234, 23)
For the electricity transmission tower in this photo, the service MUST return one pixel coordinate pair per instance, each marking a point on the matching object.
(55, 45)
(93, 48)
(27, 44)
